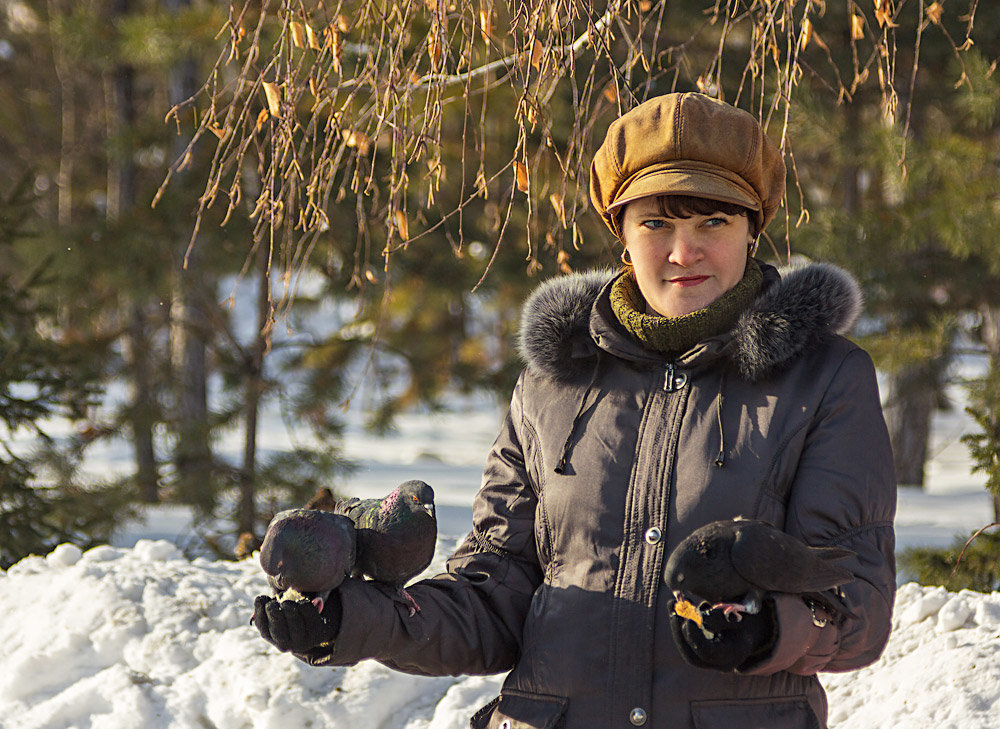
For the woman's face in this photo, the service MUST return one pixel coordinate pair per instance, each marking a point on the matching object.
(684, 264)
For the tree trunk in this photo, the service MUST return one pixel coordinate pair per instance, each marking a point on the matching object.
(194, 287)
(247, 515)
(67, 144)
(121, 196)
(912, 398)
(142, 410)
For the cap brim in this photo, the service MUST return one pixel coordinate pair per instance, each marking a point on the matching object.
(697, 183)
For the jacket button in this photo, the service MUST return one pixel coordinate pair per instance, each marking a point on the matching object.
(653, 535)
(505, 724)
(637, 716)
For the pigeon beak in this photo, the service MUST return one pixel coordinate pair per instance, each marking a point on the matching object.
(429, 508)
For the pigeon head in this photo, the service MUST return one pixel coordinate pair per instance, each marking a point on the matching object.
(417, 495)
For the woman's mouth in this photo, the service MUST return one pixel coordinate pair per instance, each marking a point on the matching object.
(685, 281)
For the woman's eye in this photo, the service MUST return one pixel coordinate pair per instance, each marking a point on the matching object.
(715, 222)
(653, 224)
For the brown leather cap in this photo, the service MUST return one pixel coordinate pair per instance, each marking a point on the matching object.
(687, 144)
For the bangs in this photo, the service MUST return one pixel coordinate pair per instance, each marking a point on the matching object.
(684, 206)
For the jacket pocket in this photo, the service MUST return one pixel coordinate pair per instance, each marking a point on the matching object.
(791, 712)
(520, 710)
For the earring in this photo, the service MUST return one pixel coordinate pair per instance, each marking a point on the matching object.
(626, 258)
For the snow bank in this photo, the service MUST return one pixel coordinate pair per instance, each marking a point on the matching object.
(114, 638)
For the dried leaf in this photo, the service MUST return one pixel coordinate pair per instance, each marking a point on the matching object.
(486, 24)
(298, 34)
(311, 38)
(434, 50)
(807, 32)
(336, 47)
(273, 94)
(563, 260)
(857, 27)
(402, 225)
(883, 13)
(370, 275)
(611, 93)
(218, 131)
(521, 173)
(261, 118)
(556, 199)
(532, 115)
(934, 13)
(645, 5)
(536, 54)
(360, 140)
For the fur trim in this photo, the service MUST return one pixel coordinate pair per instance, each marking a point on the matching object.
(556, 315)
(808, 305)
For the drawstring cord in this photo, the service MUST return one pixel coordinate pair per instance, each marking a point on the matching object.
(720, 460)
(564, 455)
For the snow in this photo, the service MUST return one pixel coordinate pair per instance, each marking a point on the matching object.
(134, 634)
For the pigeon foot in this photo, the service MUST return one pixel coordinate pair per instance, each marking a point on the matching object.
(409, 601)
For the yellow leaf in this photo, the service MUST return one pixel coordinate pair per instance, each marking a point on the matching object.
(343, 24)
(486, 24)
(261, 118)
(218, 131)
(360, 140)
(556, 199)
(312, 39)
(298, 34)
(645, 5)
(273, 94)
(521, 173)
(934, 13)
(532, 115)
(403, 225)
(686, 610)
(370, 275)
(807, 32)
(536, 54)
(611, 93)
(857, 27)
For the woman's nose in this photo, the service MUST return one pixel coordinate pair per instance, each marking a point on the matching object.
(684, 251)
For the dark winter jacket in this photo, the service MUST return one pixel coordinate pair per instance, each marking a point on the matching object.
(608, 457)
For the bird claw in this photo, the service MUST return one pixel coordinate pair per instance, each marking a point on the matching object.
(409, 601)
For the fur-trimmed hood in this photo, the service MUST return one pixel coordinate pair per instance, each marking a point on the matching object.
(799, 308)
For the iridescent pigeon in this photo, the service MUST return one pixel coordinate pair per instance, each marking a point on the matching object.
(732, 564)
(308, 553)
(396, 535)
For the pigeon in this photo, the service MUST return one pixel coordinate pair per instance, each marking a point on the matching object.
(396, 535)
(731, 565)
(307, 553)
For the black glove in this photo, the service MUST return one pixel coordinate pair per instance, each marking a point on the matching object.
(722, 643)
(296, 625)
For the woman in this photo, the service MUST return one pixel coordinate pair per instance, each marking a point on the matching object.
(696, 385)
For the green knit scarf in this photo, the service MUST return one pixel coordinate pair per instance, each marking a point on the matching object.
(675, 335)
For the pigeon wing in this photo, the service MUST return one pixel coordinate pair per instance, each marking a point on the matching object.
(775, 561)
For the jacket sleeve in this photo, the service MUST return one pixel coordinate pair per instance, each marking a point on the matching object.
(843, 494)
(471, 617)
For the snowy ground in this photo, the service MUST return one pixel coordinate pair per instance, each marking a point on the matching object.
(137, 636)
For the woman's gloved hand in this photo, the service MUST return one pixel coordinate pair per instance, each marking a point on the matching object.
(722, 642)
(296, 625)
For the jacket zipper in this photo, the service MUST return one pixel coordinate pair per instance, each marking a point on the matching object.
(674, 379)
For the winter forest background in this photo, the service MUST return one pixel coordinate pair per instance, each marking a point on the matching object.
(244, 246)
